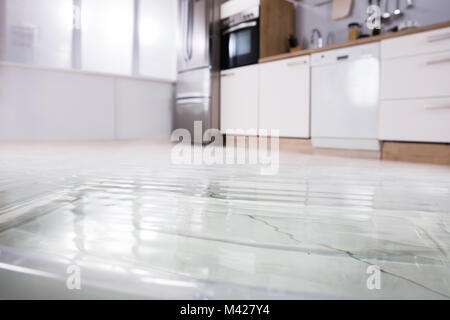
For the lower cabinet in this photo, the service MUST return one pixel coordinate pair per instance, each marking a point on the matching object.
(284, 97)
(239, 100)
(421, 76)
(415, 91)
(272, 95)
(418, 120)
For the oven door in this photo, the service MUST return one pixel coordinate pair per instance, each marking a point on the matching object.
(240, 45)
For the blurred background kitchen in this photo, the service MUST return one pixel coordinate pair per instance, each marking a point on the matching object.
(87, 70)
(106, 69)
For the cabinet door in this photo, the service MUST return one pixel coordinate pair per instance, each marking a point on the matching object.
(424, 76)
(239, 100)
(416, 44)
(284, 97)
(107, 40)
(417, 120)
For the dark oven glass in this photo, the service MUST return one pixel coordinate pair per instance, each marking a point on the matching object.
(241, 46)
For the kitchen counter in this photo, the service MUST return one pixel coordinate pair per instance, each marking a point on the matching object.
(357, 42)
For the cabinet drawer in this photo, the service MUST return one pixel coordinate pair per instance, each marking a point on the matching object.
(421, 120)
(416, 77)
(287, 63)
(416, 44)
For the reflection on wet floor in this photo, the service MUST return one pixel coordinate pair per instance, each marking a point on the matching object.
(140, 226)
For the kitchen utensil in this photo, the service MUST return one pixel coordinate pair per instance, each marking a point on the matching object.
(376, 31)
(341, 9)
(386, 16)
(393, 29)
(330, 38)
(398, 12)
(408, 24)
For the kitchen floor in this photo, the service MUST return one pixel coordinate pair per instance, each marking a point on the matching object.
(138, 226)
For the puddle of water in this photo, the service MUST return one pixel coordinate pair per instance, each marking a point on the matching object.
(140, 226)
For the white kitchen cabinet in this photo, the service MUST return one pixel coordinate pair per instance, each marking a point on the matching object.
(107, 44)
(57, 105)
(239, 100)
(284, 97)
(415, 91)
(425, 120)
(157, 28)
(416, 44)
(422, 76)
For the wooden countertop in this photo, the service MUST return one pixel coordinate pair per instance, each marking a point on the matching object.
(357, 42)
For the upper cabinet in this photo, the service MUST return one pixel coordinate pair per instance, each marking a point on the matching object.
(284, 97)
(157, 29)
(239, 100)
(106, 44)
(125, 37)
(276, 25)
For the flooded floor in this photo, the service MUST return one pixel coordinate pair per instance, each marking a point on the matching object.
(128, 223)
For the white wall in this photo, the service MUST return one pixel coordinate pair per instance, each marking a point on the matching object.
(48, 105)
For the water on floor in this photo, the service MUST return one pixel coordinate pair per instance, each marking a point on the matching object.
(137, 226)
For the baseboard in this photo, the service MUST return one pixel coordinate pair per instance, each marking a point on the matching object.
(435, 153)
(348, 153)
(300, 145)
(285, 144)
(346, 144)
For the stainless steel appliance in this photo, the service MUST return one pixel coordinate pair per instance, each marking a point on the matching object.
(197, 90)
(240, 33)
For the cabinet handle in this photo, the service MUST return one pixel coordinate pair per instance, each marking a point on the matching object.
(447, 60)
(436, 107)
(439, 37)
(297, 63)
(340, 58)
(191, 101)
(227, 75)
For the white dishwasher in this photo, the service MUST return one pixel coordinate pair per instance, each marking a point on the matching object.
(345, 98)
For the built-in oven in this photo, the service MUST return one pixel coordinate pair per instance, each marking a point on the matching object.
(240, 39)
